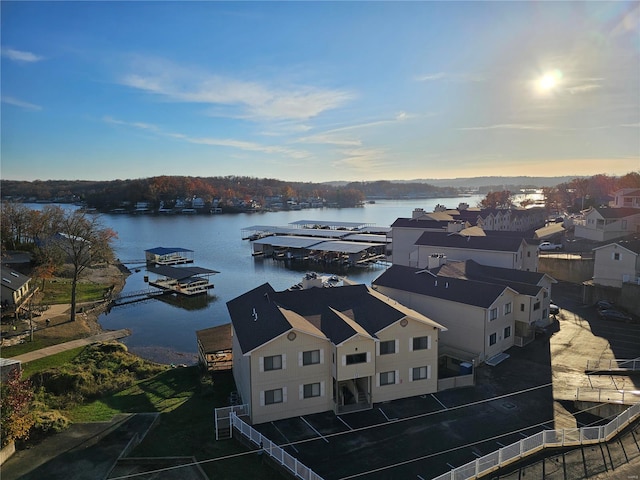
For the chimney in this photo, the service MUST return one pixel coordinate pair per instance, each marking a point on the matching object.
(436, 260)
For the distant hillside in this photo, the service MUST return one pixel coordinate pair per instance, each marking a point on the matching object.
(479, 182)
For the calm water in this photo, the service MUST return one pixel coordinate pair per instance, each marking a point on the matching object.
(165, 332)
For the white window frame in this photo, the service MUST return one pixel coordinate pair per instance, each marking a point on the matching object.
(493, 314)
(427, 371)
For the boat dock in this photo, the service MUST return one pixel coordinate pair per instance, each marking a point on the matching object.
(186, 281)
(168, 256)
(345, 244)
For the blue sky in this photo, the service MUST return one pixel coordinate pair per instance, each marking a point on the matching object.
(319, 91)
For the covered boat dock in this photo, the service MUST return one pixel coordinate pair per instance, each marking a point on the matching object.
(168, 256)
(182, 280)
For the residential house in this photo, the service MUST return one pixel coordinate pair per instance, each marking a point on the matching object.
(16, 289)
(486, 310)
(604, 224)
(506, 251)
(626, 198)
(617, 263)
(298, 352)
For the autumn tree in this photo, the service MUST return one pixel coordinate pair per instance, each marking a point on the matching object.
(16, 416)
(84, 242)
(501, 199)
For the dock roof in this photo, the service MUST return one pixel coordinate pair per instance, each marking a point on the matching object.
(167, 250)
(288, 241)
(180, 273)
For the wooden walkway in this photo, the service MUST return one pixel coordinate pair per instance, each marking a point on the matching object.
(81, 342)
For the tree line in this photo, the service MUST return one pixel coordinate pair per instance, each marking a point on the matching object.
(230, 191)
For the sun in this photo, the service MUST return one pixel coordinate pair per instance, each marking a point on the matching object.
(549, 81)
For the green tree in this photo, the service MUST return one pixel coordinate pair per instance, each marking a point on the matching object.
(16, 414)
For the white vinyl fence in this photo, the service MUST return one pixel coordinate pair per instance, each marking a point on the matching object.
(547, 438)
(274, 451)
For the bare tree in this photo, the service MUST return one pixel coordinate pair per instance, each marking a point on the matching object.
(84, 242)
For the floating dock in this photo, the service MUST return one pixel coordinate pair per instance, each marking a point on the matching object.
(186, 281)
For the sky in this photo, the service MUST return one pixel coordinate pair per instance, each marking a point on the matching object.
(319, 91)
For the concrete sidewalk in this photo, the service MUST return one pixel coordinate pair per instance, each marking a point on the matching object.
(61, 347)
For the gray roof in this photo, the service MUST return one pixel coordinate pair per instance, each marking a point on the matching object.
(260, 315)
(180, 273)
(367, 237)
(420, 281)
(331, 223)
(617, 212)
(167, 250)
(421, 223)
(521, 281)
(288, 241)
(12, 279)
(345, 247)
(454, 240)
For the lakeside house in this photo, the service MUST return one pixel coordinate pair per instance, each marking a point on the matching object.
(341, 349)
(602, 224)
(617, 263)
(16, 290)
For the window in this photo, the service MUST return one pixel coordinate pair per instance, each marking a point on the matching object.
(528, 254)
(357, 358)
(507, 332)
(387, 378)
(544, 313)
(545, 294)
(507, 308)
(493, 314)
(536, 306)
(311, 390)
(616, 256)
(273, 396)
(419, 373)
(492, 339)
(421, 343)
(522, 307)
(311, 357)
(273, 363)
(387, 347)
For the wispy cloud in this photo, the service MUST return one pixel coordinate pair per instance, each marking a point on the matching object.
(361, 159)
(631, 125)
(20, 56)
(255, 100)
(212, 141)
(335, 136)
(589, 87)
(508, 126)
(457, 77)
(20, 103)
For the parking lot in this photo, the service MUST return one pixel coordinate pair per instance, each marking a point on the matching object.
(423, 437)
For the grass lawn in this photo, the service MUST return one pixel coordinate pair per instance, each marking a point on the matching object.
(59, 291)
(52, 361)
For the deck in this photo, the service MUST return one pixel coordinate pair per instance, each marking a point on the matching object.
(188, 281)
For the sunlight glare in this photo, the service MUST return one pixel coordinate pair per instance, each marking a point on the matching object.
(549, 81)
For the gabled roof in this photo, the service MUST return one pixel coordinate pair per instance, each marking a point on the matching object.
(616, 212)
(631, 245)
(13, 280)
(419, 223)
(337, 313)
(524, 282)
(455, 240)
(420, 281)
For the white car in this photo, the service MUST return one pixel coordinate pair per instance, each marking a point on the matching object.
(546, 246)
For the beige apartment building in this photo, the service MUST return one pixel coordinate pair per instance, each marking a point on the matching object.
(486, 310)
(341, 349)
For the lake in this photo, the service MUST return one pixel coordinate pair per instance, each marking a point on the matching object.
(163, 330)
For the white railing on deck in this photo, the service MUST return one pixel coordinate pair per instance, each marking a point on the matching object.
(614, 364)
(291, 463)
(548, 438)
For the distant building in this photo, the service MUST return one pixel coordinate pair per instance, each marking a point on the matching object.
(604, 224)
(617, 263)
(215, 348)
(626, 198)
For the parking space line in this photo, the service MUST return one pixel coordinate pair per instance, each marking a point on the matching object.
(311, 427)
(420, 477)
(451, 466)
(501, 444)
(385, 416)
(340, 418)
(436, 399)
(285, 437)
(476, 454)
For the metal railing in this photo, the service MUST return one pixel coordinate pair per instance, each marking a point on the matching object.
(613, 364)
(291, 463)
(548, 438)
(607, 395)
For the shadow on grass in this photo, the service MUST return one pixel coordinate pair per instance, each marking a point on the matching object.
(189, 430)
